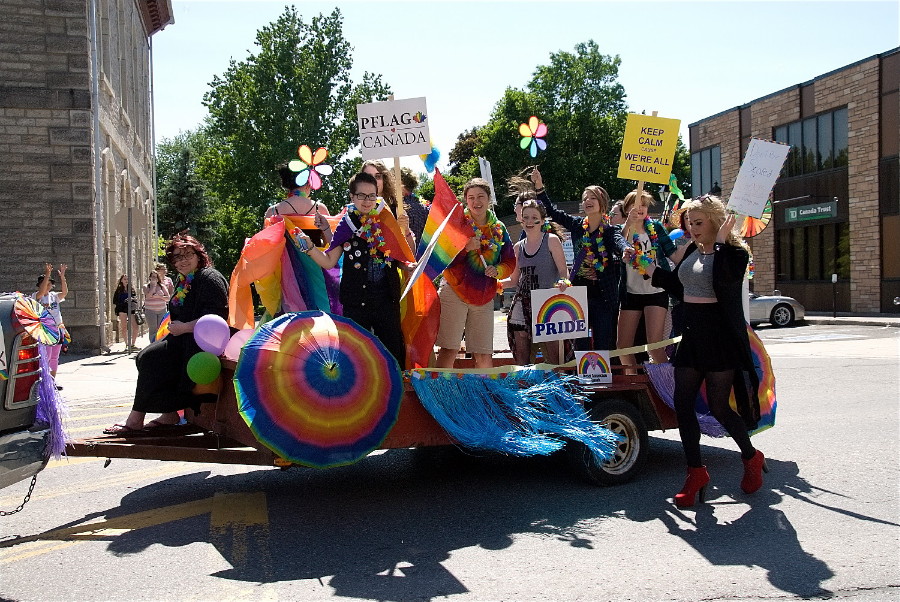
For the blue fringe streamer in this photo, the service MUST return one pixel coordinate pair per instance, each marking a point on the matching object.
(51, 409)
(527, 412)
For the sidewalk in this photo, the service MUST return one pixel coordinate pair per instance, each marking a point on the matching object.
(847, 319)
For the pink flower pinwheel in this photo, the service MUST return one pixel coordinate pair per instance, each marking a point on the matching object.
(532, 134)
(310, 167)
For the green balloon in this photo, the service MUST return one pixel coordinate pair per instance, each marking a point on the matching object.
(204, 367)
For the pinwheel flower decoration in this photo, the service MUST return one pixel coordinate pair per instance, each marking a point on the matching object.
(310, 166)
(533, 134)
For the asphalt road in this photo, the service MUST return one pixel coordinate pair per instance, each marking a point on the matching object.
(432, 523)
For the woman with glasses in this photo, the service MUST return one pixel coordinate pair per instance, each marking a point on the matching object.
(597, 245)
(370, 282)
(163, 384)
(388, 190)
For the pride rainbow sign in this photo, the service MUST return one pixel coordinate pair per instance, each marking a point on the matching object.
(593, 366)
(557, 315)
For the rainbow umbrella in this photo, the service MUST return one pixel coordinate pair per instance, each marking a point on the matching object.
(317, 389)
(754, 225)
(662, 377)
(36, 320)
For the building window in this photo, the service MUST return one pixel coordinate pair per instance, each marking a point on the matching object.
(706, 170)
(813, 252)
(817, 143)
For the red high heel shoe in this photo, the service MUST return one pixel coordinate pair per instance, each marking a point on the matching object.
(695, 483)
(753, 469)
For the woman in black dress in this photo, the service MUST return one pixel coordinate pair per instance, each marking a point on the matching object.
(714, 348)
(163, 384)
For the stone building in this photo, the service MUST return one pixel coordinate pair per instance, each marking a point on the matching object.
(836, 205)
(76, 150)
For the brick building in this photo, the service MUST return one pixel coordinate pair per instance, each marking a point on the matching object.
(76, 150)
(836, 206)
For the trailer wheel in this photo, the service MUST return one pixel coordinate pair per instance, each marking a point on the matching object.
(623, 419)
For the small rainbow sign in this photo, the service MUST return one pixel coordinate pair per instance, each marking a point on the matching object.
(557, 315)
(593, 366)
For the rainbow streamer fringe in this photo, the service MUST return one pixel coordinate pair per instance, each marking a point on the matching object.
(523, 413)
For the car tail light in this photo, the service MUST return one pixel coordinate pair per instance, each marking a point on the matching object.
(27, 368)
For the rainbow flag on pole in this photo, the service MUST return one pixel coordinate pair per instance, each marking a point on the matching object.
(456, 233)
(163, 329)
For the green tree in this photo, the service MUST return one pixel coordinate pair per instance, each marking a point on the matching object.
(578, 96)
(182, 201)
(295, 90)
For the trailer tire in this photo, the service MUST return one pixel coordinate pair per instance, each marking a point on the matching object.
(623, 419)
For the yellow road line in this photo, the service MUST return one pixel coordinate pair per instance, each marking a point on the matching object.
(92, 416)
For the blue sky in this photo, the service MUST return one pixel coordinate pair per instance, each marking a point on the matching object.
(686, 60)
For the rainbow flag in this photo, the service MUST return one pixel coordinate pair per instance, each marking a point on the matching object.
(3, 375)
(163, 329)
(420, 315)
(453, 237)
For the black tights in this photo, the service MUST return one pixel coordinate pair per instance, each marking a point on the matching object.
(718, 390)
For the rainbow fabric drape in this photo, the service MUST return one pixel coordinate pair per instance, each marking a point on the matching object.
(285, 279)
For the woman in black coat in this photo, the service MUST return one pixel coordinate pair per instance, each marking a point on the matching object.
(714, 348)
(163, 384)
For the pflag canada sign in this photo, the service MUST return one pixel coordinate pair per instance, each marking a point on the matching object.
(393, 128)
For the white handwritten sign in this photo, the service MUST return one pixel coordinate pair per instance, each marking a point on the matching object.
(393, 128)
(757, 176)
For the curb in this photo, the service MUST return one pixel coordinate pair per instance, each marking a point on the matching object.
(860, 321)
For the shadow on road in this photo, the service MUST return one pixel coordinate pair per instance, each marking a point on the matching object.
(381, 529)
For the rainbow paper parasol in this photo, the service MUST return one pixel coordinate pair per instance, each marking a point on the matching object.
(753, 225)
(36, 320)
(317, 389)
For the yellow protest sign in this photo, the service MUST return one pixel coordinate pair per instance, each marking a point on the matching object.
(648, 148)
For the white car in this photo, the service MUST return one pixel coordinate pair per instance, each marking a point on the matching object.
(776, 309)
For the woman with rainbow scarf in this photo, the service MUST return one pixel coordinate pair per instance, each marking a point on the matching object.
(471, 282)
(597, 245)
(649, 244)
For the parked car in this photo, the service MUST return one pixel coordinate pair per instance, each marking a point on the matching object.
(775, 309)
(22, 439)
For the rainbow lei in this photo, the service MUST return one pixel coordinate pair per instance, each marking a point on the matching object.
(597, 260)
(641, 261)
(182, 288)
(495, 238)
(370, 231)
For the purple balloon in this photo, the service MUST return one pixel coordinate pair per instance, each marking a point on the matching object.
(212, 334)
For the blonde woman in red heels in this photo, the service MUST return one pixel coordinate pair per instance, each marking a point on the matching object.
(714, 348)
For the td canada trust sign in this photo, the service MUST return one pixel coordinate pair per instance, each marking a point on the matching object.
(394, 128)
